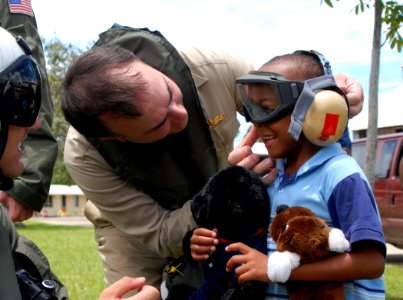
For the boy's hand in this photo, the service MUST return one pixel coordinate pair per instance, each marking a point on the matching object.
(252, 264)
(202, 243)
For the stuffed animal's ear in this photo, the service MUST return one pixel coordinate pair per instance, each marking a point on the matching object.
(200, 207)
(281, 208)
(284, 214)
(306, 236)
(279, 222)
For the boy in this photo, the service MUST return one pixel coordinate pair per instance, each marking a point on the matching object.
(321, 177)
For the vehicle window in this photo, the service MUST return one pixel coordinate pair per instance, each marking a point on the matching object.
(358, 152)
(398, 168)
(383, 163)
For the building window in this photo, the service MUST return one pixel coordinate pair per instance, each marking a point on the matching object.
(77, 200)
(49, 201)
(64, 201)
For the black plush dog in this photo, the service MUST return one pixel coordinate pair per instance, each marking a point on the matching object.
(235, 201)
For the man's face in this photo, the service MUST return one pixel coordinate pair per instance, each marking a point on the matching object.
(161, 105)
(10, 162)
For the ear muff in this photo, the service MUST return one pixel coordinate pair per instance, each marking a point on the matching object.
(321, 112)
(326, 118)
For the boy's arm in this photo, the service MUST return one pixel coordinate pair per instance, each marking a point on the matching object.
(364, 263)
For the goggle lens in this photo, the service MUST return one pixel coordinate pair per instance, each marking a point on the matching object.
(259, 100)
(267, 96)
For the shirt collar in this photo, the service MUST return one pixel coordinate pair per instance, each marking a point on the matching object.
(323, 155)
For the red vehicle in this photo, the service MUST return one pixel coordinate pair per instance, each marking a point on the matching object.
(387, 187)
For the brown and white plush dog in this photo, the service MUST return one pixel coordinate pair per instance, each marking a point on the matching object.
(302, 237)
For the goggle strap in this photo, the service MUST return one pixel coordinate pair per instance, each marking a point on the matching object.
(304, 102)
(3, 137)
(295, 128)
(24, 45)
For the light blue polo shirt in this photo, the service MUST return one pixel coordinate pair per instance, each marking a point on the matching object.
(334, 187)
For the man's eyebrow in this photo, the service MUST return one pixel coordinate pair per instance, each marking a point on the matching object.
(160, 124)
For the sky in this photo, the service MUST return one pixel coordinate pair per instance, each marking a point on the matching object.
(254, 29)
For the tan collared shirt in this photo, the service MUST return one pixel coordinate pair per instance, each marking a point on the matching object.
(133, 211)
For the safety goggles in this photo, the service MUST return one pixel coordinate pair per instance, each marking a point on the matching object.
(267, 96)
(20, 91)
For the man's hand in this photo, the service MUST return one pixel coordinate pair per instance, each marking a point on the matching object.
(126, 284)
(16, 210)
(243, 156)
(354, 93)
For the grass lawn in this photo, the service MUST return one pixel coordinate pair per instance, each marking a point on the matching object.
(72, 253)
(73, 257)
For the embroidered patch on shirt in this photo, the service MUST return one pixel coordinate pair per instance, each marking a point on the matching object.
(217, 119)
(21, 7)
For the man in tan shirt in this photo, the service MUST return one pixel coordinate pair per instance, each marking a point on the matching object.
(141, 151)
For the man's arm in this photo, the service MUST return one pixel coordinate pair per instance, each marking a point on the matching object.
(129, 209)
(31, 189)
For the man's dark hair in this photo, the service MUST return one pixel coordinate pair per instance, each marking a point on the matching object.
(97, 83)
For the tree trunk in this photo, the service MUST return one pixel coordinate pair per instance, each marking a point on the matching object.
(372, 132)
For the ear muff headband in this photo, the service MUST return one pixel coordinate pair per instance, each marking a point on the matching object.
(321, 112)
(3, 137)
(320, 58)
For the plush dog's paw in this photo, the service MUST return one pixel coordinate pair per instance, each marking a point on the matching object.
(337, 241)
(280, 265)
(294, 259)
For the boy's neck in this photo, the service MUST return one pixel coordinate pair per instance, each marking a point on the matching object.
(300, 156)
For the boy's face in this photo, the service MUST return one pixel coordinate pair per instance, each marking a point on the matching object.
(275, 137)
(274, 134)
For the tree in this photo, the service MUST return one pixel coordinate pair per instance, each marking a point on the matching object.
(59, 56)
(390, 14)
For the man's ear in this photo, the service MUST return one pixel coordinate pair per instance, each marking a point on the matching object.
(118, 138)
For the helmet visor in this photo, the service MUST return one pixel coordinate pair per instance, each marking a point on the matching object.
(20, 89)
(267, 96)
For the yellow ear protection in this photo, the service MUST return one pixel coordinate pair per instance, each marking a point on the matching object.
(321, 111)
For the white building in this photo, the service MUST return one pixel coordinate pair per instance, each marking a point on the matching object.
(64, 200)
(390, 114)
